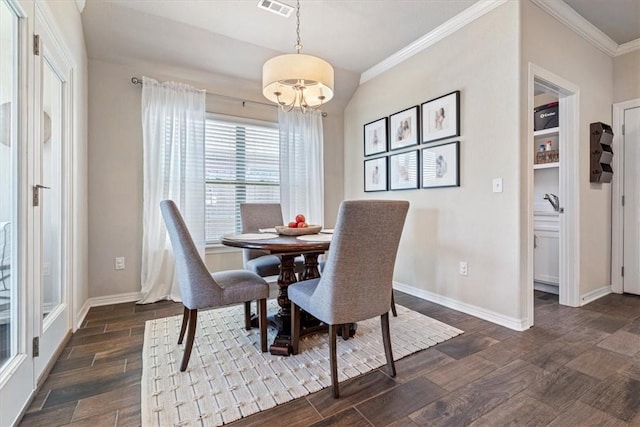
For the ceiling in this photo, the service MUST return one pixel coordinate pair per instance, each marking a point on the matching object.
(234, 37)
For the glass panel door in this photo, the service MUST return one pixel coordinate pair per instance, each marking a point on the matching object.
(8, 183)
(16, 365)
(50, 190)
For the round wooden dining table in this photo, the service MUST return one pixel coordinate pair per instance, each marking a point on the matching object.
(287, 248)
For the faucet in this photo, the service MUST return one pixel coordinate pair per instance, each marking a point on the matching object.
(554, 200)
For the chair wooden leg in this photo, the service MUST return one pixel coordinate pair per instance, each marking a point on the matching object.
(333, 360)
(183, 328)
(247, 315)
(345, 331)
(393, 305)
(191, 334)
(262, 321)
(386, 339)
(295, 328)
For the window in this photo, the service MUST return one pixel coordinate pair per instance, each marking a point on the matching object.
(242, 164)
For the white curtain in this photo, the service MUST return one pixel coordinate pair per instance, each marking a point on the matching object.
(173, 120)
(301, 165)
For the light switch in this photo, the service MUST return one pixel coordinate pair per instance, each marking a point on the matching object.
(497, 185)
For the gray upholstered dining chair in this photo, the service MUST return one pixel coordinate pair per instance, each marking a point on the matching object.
(5, 250)
(357, 278)
(201, 289)
(256, 216)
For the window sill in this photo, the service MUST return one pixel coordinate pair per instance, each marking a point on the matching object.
(219, 248)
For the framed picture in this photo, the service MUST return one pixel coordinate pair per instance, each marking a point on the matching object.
(441, 117)
(375, 174)
(375, 137)
(403, 169)
(403, 128)
(440, 165)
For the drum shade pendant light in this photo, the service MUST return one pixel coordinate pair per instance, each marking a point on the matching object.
(297, 80)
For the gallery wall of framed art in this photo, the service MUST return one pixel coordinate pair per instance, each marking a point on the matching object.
(409, 149)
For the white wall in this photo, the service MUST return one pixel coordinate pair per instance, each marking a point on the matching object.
(469, 223)
(554, 47)
(115, 159)
(626, 77)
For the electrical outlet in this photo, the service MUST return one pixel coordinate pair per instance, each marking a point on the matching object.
(119, 264)
(464, 268)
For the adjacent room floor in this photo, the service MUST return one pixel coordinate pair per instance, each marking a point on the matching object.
(576, 366)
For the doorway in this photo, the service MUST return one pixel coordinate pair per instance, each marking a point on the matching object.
(625, 264)
(552, 219)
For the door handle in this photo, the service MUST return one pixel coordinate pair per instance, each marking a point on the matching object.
(36, 194)
(535, 241)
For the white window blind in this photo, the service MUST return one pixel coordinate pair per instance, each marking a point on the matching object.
(242, 164)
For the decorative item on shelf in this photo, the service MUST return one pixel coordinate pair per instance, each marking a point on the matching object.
(601, 153)
(547, 146)
(545, 116)
(548, 156)
(297, 80)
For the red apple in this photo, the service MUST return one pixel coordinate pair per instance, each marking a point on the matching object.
(302, 225)
(300, 218)
(293, 224)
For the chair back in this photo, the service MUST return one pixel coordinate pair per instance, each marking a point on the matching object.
(196, 284)
(255, 216)
(5, 249)
(356, 283)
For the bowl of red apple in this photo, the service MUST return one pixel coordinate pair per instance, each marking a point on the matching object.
(298, 227)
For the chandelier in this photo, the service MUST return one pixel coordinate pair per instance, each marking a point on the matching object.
(297, 80)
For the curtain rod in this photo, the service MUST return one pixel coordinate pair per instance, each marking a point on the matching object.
(138, 81)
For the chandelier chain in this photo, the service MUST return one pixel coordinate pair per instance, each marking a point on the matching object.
(298, 45)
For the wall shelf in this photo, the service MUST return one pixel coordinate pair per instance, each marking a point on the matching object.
(547, 132)
(547, 165)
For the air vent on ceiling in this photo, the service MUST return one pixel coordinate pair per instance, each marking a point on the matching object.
(276, 7)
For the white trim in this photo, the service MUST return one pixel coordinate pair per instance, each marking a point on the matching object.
(545, 287)
(451, 26)
(573, 20)
(628, 47)
(114, 299)
(491, 316)
(106, 300)
(80, 316)
(617, 219)
(594, 295)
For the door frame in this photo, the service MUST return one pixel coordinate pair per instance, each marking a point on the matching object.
(569, 176)
(60, 321)
(617, 218)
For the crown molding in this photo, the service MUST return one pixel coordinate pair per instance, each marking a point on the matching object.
(628, 47)
(451, 26)
(572, 19)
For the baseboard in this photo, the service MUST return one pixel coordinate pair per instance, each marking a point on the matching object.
(106, 300)
(594, 295)
(545, 287)
(491, 316)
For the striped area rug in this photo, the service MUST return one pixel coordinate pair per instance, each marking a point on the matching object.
(229, 378)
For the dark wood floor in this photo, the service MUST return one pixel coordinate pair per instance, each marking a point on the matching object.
(577, 366)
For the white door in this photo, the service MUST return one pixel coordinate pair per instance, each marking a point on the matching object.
(16, 365)
(631, 208)
(51, 198)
